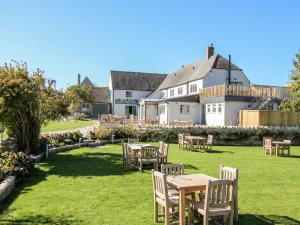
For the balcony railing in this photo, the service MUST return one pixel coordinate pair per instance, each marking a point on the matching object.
(261, 91)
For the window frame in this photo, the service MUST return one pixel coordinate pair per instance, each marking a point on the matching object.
(172, 93)
(127, 96)
(193, 88)
(180, 90)
(185, 109)
(162, 110)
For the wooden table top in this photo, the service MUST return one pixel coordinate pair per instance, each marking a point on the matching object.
(137, 146)
(279, 143)
(189, 181)
(196, 137)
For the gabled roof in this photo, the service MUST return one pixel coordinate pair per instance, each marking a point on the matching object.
(86, 81)
(195, 71)
(124, 80)
(100, 94)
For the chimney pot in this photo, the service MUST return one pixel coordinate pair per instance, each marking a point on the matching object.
(210, 51)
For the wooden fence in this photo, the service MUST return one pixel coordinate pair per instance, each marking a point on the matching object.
(268, 118)
(262, 91)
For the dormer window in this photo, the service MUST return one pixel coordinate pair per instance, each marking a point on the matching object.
(128, 94)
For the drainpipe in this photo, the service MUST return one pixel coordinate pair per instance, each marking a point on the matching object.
(229, 70)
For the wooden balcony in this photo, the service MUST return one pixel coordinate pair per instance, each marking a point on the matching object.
(261, 91)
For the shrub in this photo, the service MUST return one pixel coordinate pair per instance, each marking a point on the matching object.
(16, 164)
(75, 135)
(68, 141)
(126, 131)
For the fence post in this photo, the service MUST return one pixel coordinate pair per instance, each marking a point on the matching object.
(47, 151)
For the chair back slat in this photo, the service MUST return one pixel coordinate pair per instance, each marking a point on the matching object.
(165, 149)
(159, 181)
(172, 169)
(210, 139)
(219, 193)
(149, 152)
(161, 147)
(132, 141)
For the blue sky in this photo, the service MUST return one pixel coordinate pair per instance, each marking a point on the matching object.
(64, 38)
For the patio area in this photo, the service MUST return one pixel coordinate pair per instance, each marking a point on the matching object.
(91, 186)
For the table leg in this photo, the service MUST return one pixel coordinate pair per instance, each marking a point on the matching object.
(277, 149)
(182, 207)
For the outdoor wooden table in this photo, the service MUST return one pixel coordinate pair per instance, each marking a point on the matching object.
(137, 147)
(279, 144)
(187, 184)
(197, 139)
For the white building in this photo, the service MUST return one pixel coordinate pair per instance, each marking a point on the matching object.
(211, 91)
(128, 88)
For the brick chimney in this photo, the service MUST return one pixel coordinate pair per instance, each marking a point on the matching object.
(78, 79)
(209, 51)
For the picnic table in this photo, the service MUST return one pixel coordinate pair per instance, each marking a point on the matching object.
(187, 184)
(280, 144)
(137, 147)
(199, 140)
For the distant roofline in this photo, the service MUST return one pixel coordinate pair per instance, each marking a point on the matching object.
(133, 72)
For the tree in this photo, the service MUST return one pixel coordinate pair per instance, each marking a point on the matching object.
(293, 102)
(26, 103)
(78, 94)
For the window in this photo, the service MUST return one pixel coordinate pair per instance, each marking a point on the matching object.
(128, 94)
(220, 108)
(162, 109)
(180, 91)
(193, 88)
(172, 93)
(184, 109)
(208, 108)
(163, 94)
(214, 108)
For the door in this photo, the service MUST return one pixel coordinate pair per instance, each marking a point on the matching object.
(130, 110)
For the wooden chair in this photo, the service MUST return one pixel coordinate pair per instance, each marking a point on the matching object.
(172, 169)
(264, 143)
(148, 155)
(287, 146)
(182, 142)
(228, 173)
(124, 145)
(218, 201)
(208, 144)
(130, 157)
(161, 196)
(268, 146)
(163, 152)
(133, 141)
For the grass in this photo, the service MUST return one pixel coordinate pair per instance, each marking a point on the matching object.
(62, 125)
(66, 125)
(90, 186)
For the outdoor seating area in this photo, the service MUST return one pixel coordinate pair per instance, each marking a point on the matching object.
(186, 141)
(195, 193)
(136, 155)
(277, 148)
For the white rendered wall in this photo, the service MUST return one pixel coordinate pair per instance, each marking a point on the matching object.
(119, 109)
(232, 110)
(174, 112)
(218, 77)
(199, 86)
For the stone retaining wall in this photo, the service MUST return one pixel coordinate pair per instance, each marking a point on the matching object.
(6, 187)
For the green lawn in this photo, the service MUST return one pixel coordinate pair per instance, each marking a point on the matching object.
(66, 125)
(90, 186)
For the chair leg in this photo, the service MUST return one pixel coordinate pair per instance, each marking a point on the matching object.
(141, 167)
(167, 216)
(231, 218)
(155, 212)
(205, 220)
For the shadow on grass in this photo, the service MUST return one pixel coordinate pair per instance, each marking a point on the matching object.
(250, 219)
(39, 219)
(87, 164)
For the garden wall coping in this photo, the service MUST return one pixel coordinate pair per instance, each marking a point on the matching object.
(6, 187)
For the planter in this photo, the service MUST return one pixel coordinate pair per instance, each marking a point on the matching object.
(6, 187)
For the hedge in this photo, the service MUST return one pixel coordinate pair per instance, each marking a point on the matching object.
(222, 135)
